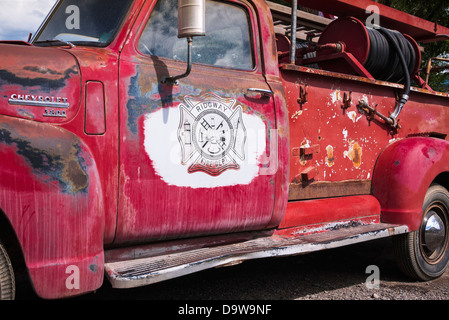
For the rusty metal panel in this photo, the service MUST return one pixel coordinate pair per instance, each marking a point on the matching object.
(41, 84)
(403, 174)
(54, 177)
(349, 139)
(163, 196)
(51, 194)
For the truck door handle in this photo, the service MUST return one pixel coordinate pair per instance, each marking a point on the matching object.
(256, 93)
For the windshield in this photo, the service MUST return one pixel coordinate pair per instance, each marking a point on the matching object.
(83, 22)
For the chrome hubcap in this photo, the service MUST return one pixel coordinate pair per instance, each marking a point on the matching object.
(434, 232)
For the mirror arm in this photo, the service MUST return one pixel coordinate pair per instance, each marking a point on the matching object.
(191, 23)
(174, 80)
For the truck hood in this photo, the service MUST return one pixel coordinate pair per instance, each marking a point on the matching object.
(42, 84)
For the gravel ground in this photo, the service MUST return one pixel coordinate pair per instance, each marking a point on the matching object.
(349, 279)
(336, 274)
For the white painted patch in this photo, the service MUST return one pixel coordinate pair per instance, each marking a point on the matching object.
(297, 114)
(164, 149)
(345, 134)
(353, 116)
(335, 96)
(365, 98)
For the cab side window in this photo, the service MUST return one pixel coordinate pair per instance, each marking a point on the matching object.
(227, 42)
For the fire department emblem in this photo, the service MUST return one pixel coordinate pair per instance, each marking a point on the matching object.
(211, 134)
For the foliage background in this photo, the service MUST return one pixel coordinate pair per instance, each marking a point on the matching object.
(434, 11)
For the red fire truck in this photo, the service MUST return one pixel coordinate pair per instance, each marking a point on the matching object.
(142, 140)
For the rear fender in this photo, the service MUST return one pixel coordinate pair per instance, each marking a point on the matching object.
(51, 194)
(403, 173)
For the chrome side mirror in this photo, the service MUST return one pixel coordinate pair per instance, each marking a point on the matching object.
(191, 18)
(191, 23)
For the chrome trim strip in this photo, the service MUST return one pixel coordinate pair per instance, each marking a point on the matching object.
(47, 102)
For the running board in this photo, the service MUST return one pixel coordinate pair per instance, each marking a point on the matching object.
(144, 271)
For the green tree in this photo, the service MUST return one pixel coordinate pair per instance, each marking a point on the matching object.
(434, 11)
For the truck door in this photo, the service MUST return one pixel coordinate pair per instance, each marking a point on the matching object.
(192, 155)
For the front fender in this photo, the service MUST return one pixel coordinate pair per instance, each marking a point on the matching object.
(51, 194)
(403, 173)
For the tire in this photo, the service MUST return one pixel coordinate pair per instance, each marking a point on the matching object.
(423, 254)
(7, 281)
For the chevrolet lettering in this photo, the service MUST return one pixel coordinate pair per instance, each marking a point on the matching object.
(38, 101)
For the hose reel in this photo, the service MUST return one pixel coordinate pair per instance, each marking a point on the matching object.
(373, 48)
(386, 55)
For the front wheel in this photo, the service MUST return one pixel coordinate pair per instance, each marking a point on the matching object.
(7, 282)
(424, 254)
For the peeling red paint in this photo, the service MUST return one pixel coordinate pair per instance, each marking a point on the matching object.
(330, 156)
(354, 153)
(30, 75)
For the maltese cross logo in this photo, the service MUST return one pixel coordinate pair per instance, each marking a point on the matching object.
(211, 134)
